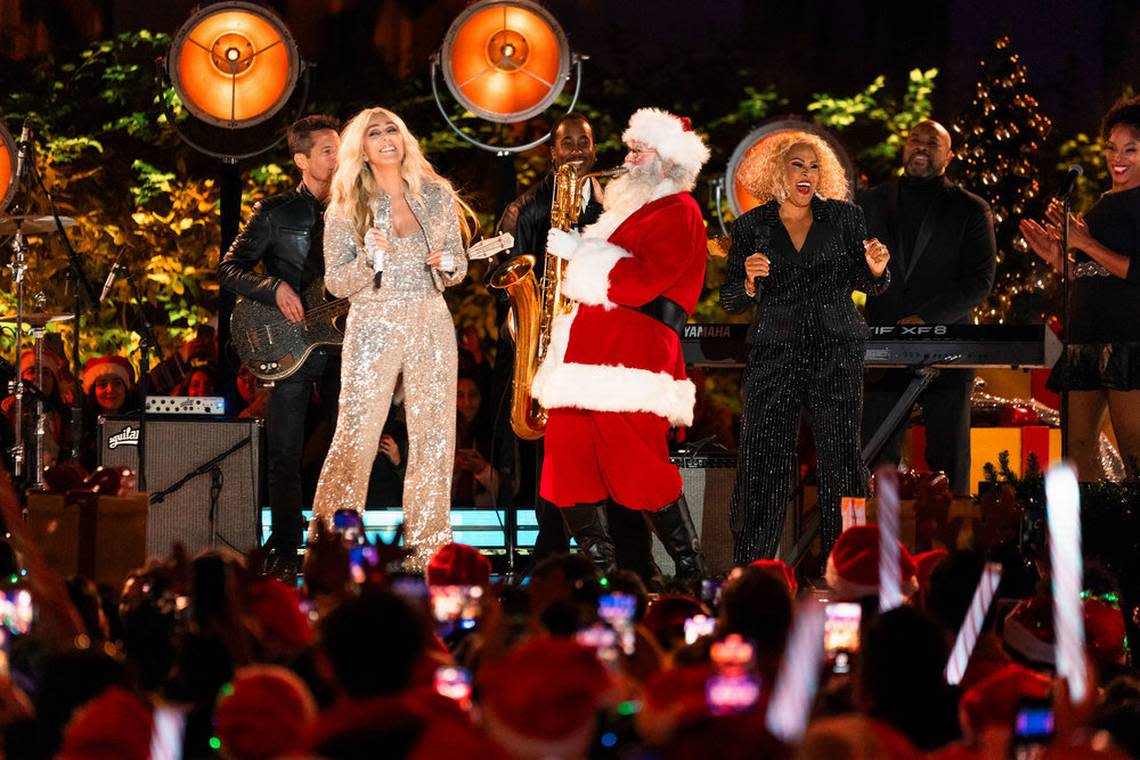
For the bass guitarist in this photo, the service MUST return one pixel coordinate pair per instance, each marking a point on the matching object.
(285, 233)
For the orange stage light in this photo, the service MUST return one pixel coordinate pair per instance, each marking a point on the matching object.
(739, 199)
(7, 167)
(505, 60)
(233, 64)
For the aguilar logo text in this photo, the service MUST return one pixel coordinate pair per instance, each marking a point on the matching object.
(128, 436)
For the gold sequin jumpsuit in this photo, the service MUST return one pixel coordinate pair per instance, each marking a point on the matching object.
(403, 328)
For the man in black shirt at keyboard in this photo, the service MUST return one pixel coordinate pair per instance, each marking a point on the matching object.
(943, 257)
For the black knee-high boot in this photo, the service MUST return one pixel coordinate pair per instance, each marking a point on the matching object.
(633, 541)
(674, 527)
(590, 527)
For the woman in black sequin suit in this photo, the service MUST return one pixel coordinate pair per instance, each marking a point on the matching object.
(1101, 365)
(797, 257)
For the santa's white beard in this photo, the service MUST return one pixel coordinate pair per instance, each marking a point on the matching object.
(627, 194)
(633, 190)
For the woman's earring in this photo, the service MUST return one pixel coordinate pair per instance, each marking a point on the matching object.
(782, 195)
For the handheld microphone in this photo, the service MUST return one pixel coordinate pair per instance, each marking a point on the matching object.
(110, 277)
(23, 150)
(1070, 183)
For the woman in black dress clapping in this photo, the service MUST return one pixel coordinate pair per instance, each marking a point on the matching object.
(1101, 364)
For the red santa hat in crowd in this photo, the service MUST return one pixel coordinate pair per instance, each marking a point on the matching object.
(781, 571)
(673, 698)
(542, 698)
(266, 712)
(1105, 637)
(53, 362)
(853, 565)
(107, 365)
(1028, 632)
(458, 565)
(995, 698)
(115, 725)
(276, 610)
(671, 136)
(856, 736)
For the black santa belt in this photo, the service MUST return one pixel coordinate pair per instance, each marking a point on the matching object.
(667, 312)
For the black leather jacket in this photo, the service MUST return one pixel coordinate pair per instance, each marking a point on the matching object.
(285, 232)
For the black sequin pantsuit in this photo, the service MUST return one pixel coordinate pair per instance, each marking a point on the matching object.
(779, 381)
(806, 352)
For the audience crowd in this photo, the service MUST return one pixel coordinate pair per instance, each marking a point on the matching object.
(205, 657)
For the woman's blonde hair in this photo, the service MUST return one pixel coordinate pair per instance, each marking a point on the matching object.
(764, 169)
(353, 186)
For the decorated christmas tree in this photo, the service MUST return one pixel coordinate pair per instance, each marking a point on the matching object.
(998, 141)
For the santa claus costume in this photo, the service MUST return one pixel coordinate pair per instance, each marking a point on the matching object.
(614, 377)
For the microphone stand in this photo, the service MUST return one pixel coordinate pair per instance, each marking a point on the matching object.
(19, 267)
(147, 341)
(83, 290)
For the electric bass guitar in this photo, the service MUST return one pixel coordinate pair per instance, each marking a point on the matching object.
(273, 348)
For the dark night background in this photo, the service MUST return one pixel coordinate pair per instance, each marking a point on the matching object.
(1079, 54)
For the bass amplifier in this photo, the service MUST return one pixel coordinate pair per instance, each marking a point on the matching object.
(707, 482)
(205, 477)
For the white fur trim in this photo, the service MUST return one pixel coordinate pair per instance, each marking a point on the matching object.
(587, 276)
(609, 221)
(614, 388)
(522, 745)
(665, 133)
(91, 374)
(608, 387)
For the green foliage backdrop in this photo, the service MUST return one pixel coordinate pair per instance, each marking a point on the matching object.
(112, 160)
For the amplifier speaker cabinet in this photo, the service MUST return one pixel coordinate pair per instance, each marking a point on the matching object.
(194, 450)
(707, 483)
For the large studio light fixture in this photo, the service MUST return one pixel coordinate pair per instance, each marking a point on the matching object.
(233, 64)
(7, 167)
(505, 61)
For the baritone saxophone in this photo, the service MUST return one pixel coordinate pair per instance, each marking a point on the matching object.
(534, 305)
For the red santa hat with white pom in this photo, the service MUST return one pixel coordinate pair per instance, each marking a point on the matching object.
(100, 366)
(853, 565)
(671, 136)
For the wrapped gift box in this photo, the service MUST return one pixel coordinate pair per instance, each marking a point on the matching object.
(101, 538)
(987, 442)
(957, 529)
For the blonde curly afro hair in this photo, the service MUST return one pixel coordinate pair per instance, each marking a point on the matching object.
(763, 170)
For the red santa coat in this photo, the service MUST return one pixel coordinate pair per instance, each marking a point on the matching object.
(606, 358)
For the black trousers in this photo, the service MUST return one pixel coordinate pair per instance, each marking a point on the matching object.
(287, 430)
(946, 407)
(780, 381)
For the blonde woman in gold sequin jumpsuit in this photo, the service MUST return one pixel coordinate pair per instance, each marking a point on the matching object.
(392, 244)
